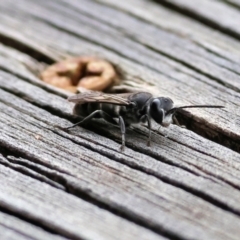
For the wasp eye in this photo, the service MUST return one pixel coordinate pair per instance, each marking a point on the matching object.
(155, 104)
(156, 111)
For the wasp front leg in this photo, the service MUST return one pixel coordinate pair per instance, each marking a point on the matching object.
(95, 114)
(146, 118)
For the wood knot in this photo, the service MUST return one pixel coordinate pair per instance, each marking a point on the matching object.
(81, 72)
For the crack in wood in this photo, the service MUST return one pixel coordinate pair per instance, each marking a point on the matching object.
(81, 193)
(192, 67)
(16, 165)
(232, 3)
(169, 180)
(100, 131)
(117, 210)
(198, 17)
(123, 31)
(25, 48)
(181, 181)
(209, 133)
(140, 168)
(84, 192)
(12, 212)
(190, 123)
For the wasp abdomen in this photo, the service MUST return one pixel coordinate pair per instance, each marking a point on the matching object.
(85, 109)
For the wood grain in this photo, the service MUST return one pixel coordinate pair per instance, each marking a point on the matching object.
(12, 227)
(114, 184)
(235, 3)
(61, 212)
(73, 184)
(208, 12)
(176, 79)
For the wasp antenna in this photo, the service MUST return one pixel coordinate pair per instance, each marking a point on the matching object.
(201, 106)
(194, 106)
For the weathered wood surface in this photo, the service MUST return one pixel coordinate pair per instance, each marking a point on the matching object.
(12, 227)
(78, 185)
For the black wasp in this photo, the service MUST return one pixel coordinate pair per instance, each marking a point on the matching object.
(126, 109)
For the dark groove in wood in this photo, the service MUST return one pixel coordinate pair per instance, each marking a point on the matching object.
(90, 198)
(18, 153)
(232, 4)
(44, 86)
(208, 133)
(170, 181)
(24, 48)
(46, 107)
(220, 56)
(192, 67)
(124, 213)
(183, 120)
(50, 229)
(222, 179)
(198, 17)
(30, 172)
(119, 211)
(222, 139)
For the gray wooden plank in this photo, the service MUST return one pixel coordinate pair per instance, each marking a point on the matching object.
(188, 139)
(60, 106)
(184, 186)
(193, 50)
(178, 48)
(224, 120)
(208, 11)
(32, 94)
(235, 3)
(62, 212)
(12, 228)
(225, 48)
(157, 203)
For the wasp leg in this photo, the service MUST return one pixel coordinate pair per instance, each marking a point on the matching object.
(150, 131)
(108, 118)
(145, 118)
(123, 131)
(95, 114)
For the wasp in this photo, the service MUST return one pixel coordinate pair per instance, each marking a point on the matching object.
(125, 109)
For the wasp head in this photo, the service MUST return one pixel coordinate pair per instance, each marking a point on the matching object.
(160, 111)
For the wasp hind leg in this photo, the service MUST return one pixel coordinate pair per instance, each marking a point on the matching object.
(95, 114)
(123, 131)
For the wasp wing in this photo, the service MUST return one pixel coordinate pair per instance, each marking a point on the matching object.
(118, 99)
